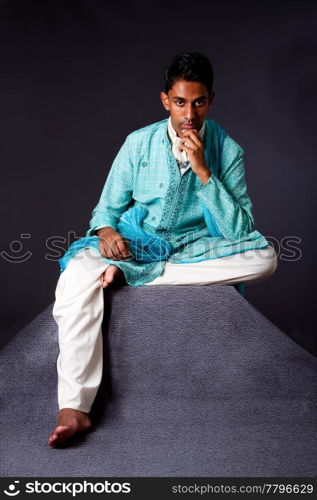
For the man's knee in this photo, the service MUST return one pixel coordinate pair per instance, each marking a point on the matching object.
(82, 273)
(267, 262)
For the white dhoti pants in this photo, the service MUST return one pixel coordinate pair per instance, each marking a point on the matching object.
(79, 307)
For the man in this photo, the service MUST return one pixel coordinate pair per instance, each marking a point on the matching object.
(174, 210)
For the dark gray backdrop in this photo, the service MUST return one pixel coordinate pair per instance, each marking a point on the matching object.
(77, 77)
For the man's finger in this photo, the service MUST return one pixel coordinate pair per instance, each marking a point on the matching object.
(123, 248)
(106, 250)
(185, 148)
(102, 248)
(190, 134)
(189, 143)
(117, 249)
(120, 250)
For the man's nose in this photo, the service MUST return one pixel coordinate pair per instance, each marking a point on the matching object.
(190, 112)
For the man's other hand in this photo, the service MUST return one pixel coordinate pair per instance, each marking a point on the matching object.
(112, 245)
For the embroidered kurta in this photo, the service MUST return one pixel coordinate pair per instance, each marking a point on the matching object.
(199, 221)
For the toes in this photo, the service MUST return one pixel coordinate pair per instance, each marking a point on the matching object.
(61, 429)
(53, 436)
(52, 439)
(109, 279)
(60, 434)
(112, 275)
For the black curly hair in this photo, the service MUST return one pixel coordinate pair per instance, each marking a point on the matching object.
(189, 66)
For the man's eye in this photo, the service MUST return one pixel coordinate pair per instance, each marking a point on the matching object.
(179, 103)
(200, 103)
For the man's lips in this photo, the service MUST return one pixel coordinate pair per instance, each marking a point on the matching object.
(188, 127)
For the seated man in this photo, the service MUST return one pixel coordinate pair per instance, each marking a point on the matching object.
(174, 211)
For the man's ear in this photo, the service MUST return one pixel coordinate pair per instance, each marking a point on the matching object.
(164, 99)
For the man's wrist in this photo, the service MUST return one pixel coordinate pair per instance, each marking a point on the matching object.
(104, 230)
(204, 174)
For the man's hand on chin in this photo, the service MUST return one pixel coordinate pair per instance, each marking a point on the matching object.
(194, 147)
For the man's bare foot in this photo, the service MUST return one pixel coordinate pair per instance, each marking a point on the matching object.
(69, 423)
(112, 275)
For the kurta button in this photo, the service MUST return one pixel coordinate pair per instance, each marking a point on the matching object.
(153, 218)
(144, 164)
(161, 185)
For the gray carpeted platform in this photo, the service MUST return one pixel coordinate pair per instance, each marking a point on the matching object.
(198, 383)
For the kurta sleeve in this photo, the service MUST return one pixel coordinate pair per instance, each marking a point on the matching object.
(116, 194)
(226, 204)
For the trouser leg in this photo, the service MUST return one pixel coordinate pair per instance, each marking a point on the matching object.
(245, 267)
(78, 312)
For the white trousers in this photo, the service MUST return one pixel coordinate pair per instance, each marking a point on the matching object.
(79, 307)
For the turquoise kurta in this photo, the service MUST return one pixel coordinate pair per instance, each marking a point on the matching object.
(199, 221)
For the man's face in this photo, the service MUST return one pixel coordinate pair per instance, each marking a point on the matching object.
(188, 104)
